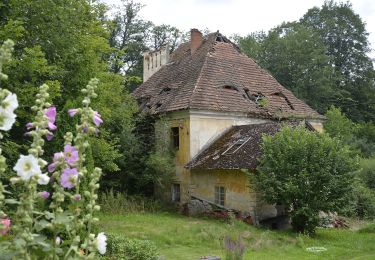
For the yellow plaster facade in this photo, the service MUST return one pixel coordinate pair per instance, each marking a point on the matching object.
(197, 130)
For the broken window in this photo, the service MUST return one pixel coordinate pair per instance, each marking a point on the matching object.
(220, 195)
(236, 146)
(175, 131)
(176, 192)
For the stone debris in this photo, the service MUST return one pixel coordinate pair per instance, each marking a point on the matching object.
(331, 220)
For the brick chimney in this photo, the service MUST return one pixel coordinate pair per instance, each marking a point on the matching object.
(154, 60)
(196, 40)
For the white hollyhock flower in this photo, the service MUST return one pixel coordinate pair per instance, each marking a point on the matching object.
(10, 103)
(7, 119)
(101, 243)
(43, 179)
(27, 166)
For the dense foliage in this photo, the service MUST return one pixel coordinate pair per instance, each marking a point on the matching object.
(307, 172)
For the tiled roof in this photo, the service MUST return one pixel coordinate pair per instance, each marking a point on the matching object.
(238, 148)
(218, 77)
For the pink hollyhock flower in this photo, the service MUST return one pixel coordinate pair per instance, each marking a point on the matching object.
(70, 154)
(29, 126)
(49, 136)
(69, 178)
(44, 194)
(51, 115)
(51, 167)
(77, 197)
(5, 222)
(72, 112)
(97, 118)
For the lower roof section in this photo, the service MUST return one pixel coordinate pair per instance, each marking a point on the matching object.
(238, 148)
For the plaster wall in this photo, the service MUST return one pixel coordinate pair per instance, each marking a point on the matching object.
(238, 194)
(206, 126)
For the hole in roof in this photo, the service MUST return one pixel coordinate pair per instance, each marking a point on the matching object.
(230, 87)
(165, 90)
(280, 94)
(236, 146)
(158, 105)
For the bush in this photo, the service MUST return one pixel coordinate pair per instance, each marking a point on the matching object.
(307, 172)
(120, 203)
(367, 173)
(119, 247)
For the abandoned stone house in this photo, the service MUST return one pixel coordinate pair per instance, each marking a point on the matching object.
(218, 103)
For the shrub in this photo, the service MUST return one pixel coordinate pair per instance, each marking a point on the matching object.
(120, 203)
(367, 173)
(307, 172)
(120, 247)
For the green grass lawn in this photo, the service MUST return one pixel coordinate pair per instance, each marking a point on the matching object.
(185, 238)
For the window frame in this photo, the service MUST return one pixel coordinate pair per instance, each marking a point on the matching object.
(176, 192)
(220, 195)
(175, 137)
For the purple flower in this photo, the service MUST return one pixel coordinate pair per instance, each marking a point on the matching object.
(69, 178)
(51, 115)
(70, 154)
(29, 126)
(72, 112)
(97, 119)
(51, 167)
(5, 222)
(44, 194)
(49, 136)
(77, 197)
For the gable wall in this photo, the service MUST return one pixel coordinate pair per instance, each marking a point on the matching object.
(206, 126)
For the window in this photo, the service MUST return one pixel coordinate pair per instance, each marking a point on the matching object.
(175, 137)
(220, 195)
(176, 193)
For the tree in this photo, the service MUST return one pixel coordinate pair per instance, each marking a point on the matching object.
(165, 34)
(63, 44)
(307, 172)
(344, 34)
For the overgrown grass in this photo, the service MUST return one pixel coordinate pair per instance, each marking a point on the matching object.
(180, 237)
(119, 203)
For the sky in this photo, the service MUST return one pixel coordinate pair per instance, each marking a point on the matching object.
(240, 16)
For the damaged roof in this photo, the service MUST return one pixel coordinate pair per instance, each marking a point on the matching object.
(238, 148)
(218, 77)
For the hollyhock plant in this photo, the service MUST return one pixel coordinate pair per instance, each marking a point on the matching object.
(42, 179)
(72, 112)
(51, 115)
(10, 103)
(7, 119)
(27, 166)
(77, 197)
(44, 194)
(101, 242)
(4, 226)
(70, 154)
(41, 227)
(97, 118)
(69, 178)
(56, 158)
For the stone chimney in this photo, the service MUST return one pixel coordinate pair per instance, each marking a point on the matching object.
(153, 60)
(196, 39)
